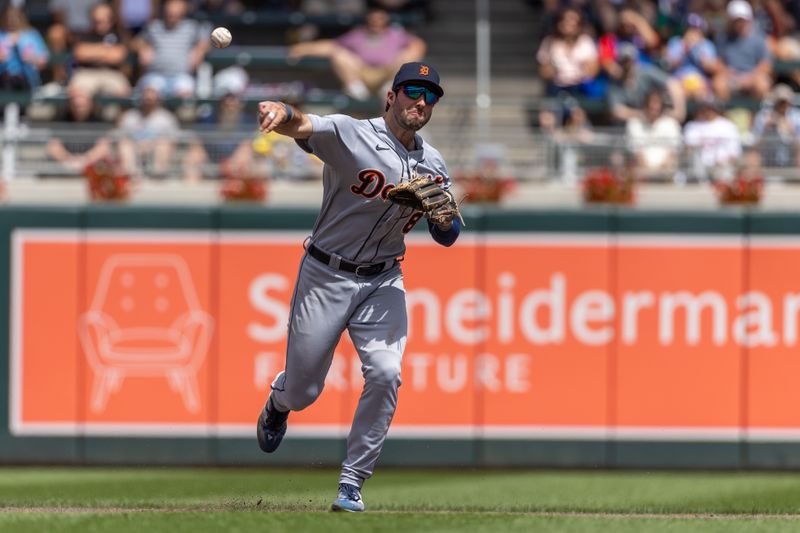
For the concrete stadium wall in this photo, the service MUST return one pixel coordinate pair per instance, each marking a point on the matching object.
(637, 340)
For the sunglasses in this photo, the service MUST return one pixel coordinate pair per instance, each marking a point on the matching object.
(415, 92)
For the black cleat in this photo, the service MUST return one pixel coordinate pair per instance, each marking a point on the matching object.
(271, 427)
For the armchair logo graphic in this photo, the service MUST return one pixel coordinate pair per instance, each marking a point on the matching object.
(145, 320)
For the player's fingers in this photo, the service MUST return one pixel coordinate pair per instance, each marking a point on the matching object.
(263, 107)
(268, 122)
(269, 119)
(266, 113)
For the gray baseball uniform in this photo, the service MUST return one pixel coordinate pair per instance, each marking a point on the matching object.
(356, 226)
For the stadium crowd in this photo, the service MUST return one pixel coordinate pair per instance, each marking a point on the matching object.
(697, 88)
(694, 83)
(117, 63)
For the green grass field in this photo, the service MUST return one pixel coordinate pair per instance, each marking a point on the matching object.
(273, 500)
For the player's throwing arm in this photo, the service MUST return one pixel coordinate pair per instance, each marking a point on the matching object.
(283, 118)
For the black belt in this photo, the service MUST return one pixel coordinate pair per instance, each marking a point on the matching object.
(359, 270)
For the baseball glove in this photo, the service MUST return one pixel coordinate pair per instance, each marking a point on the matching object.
(423, 194)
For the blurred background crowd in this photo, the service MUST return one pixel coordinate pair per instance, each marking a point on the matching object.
(130, 79)
(704, 89)
(680, 90)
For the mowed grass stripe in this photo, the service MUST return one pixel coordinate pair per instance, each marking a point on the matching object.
(574, 514)
(567, 491)
(272, 499)
(232, 522)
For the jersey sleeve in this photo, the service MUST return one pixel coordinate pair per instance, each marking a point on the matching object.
(331, 137)
(447, 183)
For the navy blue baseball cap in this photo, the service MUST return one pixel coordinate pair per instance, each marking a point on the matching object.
(418, 72)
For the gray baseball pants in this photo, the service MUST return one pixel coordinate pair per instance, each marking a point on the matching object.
(373, 310)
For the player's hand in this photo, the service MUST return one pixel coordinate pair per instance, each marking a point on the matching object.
(270, 115)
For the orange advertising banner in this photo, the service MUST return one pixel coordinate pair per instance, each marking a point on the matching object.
(511, 336)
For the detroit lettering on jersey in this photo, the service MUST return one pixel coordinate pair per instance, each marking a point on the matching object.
(363, 160)
(373, 182)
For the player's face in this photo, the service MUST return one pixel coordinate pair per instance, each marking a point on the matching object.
(413, 106)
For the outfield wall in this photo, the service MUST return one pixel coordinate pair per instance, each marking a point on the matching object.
(590, 339)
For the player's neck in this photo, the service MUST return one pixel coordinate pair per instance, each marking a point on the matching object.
(407, 137)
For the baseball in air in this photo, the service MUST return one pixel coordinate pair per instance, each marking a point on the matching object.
(221, 37)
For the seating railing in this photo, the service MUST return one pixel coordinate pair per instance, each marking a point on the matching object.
(555, 158)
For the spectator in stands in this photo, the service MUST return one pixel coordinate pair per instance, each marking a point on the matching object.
(743, 50)
(147, 135)
(404, 6)
(133, 16)
(776, 128)
(74, 148)
(654, 139)
(70, 18)
(224, 135)
(98, 56)
(546, 13)
(713, 143)
(773, 19)
(570, 133)
(630, 28)
(271, 5)
(275, 157)
(171, 49)
(627, 94)
(366, 58)
(393, 5)
(341, 9)
(226, 140)
(75, 152)
(777, 22)
(80, 108)
(218, 7)
(692, 58)
(280, 158)
(23, 53)
(73, 15)
(671, 17)
(568, 59)
(333, 7)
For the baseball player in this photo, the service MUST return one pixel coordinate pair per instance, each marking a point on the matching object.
(350, 276)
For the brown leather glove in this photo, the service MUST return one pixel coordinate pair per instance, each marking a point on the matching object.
(423, 194)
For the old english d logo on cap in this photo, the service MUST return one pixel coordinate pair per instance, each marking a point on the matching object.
(419, 73)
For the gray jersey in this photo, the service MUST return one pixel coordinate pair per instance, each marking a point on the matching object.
(363, 160)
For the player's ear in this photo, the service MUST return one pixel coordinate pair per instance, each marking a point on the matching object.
(390, 96)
